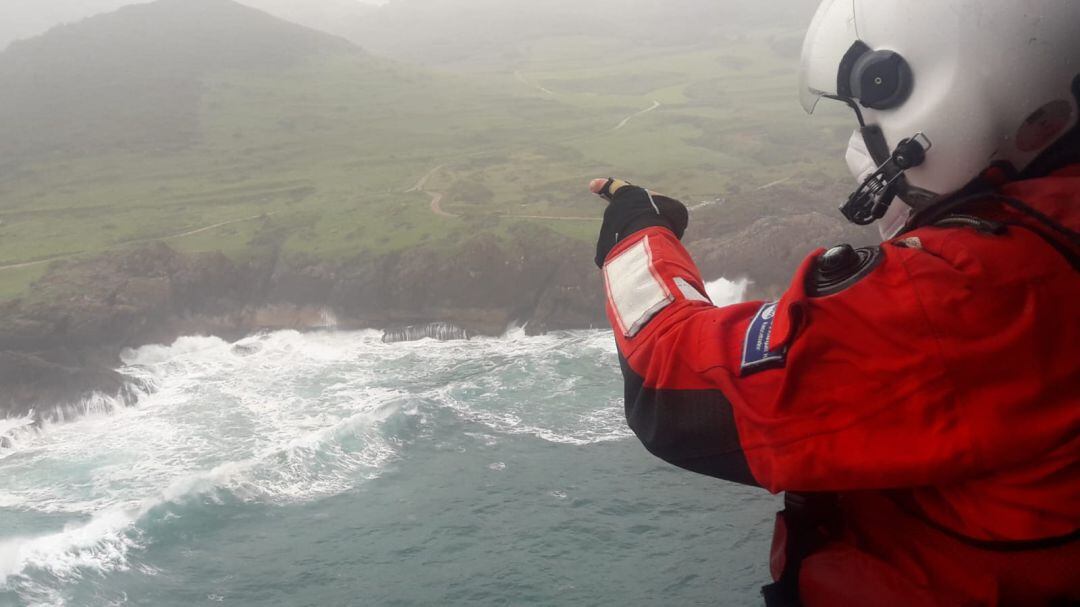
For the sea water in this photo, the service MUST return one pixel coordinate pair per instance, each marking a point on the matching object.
(330, 468)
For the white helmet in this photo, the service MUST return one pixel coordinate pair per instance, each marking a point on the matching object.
(944, 89)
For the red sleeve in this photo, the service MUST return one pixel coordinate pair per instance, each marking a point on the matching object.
(950, 359)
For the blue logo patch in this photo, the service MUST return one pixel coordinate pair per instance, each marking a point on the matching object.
(756, 353)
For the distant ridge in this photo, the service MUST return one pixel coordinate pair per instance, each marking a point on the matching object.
(134, 77)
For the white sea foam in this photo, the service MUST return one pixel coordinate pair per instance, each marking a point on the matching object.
(724, 292)
(14, 432)
(100, 544)
(219, 422)
(276, 418)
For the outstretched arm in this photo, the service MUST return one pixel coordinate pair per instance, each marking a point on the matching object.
(896, 379)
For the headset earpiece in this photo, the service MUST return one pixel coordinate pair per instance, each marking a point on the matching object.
(881, 80)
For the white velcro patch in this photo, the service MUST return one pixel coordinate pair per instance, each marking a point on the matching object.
(635, 291)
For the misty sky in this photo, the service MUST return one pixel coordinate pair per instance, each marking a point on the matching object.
(27, 18)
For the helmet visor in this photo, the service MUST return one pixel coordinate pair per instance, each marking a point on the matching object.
(832, 33)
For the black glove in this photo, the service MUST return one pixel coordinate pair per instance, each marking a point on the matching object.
(632, 209)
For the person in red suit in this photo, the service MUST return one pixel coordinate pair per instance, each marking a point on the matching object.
(919, 401)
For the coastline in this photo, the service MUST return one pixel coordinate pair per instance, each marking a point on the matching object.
(62, 342)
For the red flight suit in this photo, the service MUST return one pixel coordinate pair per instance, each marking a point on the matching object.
(932, 387)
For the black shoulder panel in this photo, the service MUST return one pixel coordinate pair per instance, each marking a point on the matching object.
(841, 267)
(692, 429)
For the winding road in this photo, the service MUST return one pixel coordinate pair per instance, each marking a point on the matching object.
(625, 121)
(30, 264)
(436, 197)
(776, 183)
(522, 79)
(553, 217)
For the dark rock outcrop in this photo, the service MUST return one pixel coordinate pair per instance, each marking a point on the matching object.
(30, 379)
(64, 338)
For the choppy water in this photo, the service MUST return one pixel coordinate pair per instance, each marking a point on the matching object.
(333, 469)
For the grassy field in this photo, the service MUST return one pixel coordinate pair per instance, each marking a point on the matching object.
(323, 158)
(727, 122)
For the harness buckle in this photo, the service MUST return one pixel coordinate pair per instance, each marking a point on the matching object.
(872, 199)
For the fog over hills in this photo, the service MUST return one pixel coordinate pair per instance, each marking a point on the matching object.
(135, 76)
(22, 19)
(500, 31)
(477, 31)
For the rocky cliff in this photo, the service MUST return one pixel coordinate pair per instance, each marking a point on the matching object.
(63, 340)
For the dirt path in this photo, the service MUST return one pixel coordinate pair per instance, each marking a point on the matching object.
(656, 105)
(201, 230)
(776, 183)
(436, 204)
(553, 217)
(30, 264)
(436, 197)
(522, 79)
(422, 183)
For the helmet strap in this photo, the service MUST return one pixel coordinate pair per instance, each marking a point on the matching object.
(877, 192)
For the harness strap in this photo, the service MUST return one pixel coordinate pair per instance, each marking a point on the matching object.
(943, 215)
(809, 519)
(909, 507)
(1070, 256)
(1071, 236)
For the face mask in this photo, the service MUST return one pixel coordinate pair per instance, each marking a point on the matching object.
(862, 165)
(859, 161)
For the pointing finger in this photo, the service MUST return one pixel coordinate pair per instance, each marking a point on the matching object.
(596, 186)
(606, 188)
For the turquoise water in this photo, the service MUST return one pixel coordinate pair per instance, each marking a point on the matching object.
(332, 469)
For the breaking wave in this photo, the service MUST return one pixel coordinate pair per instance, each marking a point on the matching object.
(275, 419)
(724, 292)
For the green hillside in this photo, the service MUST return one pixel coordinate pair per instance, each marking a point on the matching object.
(213, 126)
